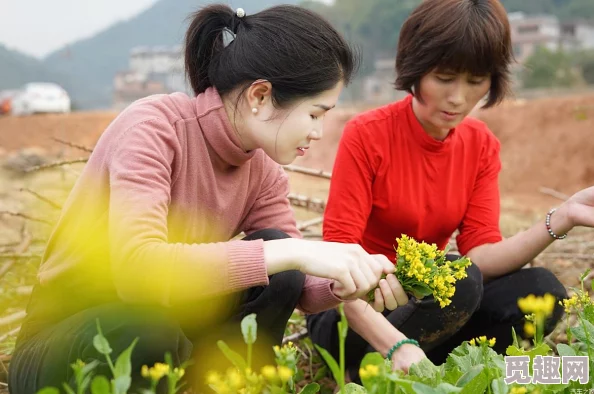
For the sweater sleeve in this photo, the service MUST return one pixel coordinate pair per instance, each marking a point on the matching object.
(146, 267)
(480, 224)
(350, 197)
(272, 210)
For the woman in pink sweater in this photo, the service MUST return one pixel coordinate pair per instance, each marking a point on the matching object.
(147, 243)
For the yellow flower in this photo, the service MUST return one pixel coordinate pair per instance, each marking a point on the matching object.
(540, 306)
(285, 373)
(156, 372)
(179, 372)
(529, 329)
(482, 340)
(212, 377)
(235, 379)
(269, 372)
(518, 390)
(369, 371)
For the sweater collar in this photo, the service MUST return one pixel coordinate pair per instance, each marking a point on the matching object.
(218, 130)
(424, 140)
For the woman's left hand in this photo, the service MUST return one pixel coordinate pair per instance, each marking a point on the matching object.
(580, 208)
(389, 294)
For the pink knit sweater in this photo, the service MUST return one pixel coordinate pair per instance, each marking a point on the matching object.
(152, 217)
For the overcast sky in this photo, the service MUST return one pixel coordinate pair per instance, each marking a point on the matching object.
(37, 27)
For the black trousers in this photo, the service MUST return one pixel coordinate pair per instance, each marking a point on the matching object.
(477, 309)
(43, 354)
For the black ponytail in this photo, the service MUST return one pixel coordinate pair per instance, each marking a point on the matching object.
(295, 49)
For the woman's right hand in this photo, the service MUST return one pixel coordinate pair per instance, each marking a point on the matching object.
(355, 271)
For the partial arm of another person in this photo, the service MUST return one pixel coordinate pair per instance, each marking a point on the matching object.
(480, 238)
(510, 254)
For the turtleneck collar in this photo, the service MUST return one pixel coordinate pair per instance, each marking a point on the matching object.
(218, 130)
(420, 136)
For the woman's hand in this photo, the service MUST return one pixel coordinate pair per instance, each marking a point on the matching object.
(405, 356)
(580, 208)
(389, 295)
(354, 271)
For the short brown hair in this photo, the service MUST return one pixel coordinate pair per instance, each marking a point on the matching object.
(456, 35)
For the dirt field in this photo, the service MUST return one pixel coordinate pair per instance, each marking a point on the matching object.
(546, 143)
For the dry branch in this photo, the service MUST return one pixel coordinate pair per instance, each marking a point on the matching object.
(295, 337)
(24, 245)
(42, 198)
(25, 216)
(13, 318)
(9, 334)
(310, 203)
(310, 223)
(308, 171)
(19, 256)
(553, 193)
(73, 145)
(57, 164)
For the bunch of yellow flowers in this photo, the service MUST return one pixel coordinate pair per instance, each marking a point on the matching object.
(423, 270)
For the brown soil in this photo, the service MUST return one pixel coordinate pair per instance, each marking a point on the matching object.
(545, 142)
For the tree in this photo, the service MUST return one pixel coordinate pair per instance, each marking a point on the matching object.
(548, 69)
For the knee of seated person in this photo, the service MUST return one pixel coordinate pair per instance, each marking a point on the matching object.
(469, 291)
(156, 331)
(540, 281)
(267, 234)
(289, 284)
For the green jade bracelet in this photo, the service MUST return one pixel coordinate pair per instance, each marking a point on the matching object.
(399, 344)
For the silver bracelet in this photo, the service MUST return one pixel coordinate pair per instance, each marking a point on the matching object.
(549, 229)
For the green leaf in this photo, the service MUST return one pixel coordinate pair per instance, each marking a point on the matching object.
(123, 365)
(469, 375)
(352, 388)
(89, 367)
(565, 350)
(121, 384)
(49, 390)
(322, 372)
(585, 335)
(101, 344)
(589, 312)
(498, 386)
(373, 358)
(67, 388)
(443, 388)
(249, 328)
(464, 357)
(585, 275)
(100, 385)
(419, 290)
(336, 372)
(478, 384)
(311, 388)
(452, 375)
(427, 370)
(232, 356)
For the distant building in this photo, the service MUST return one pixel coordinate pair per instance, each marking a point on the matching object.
(378, 87)
(577, 34)
(531, 32)
(151, 71)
